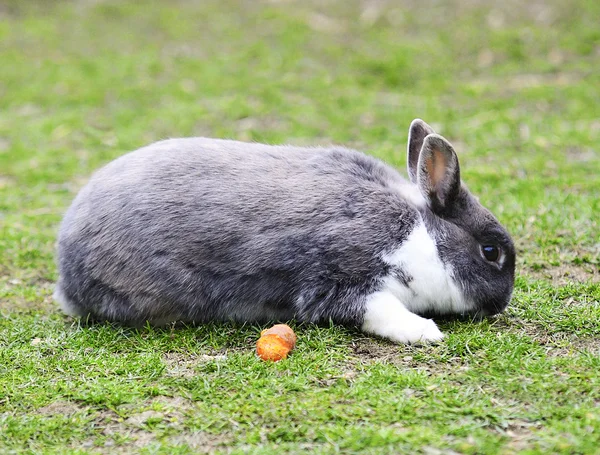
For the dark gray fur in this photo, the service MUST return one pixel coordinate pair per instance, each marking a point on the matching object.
(201, 229)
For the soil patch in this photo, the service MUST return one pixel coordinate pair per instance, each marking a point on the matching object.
(378, 350)
(183, 365)
(64, 408)
(567, 273)
(402, 356)
(135, 431)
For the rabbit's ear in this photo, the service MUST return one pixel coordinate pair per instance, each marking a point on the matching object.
(438, 174)
(416, 135)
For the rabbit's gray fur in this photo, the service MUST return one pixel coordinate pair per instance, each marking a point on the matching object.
(199, 229)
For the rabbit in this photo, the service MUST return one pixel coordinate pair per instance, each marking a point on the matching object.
(193, 230)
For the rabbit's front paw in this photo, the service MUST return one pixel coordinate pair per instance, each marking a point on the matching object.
(425, 331)
(387, 317)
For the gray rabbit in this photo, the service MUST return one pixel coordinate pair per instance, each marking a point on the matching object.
(198, 230)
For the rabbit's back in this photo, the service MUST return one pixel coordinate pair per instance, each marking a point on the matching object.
(201, 229)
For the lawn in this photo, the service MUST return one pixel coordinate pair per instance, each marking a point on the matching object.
(514, 86)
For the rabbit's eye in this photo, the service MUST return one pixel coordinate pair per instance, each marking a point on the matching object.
(490, 252)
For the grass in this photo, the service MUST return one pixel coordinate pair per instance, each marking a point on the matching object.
(513, 86)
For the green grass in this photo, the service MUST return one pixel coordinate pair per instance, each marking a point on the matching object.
(513, 86)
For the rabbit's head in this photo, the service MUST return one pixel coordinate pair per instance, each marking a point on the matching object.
(469, 239)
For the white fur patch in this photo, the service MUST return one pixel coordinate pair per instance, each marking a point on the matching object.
(431, 286)
(387, 317)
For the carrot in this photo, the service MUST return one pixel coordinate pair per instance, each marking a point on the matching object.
(275, 343)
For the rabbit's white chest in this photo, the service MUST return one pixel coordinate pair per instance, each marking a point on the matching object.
(422, 282)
